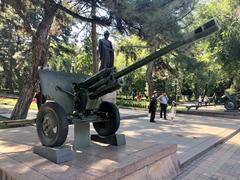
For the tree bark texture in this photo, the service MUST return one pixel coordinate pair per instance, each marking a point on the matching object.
(40, 43)
(94, 40)
(7, 69)
(149, 78)
(39, 51)
(149, 73)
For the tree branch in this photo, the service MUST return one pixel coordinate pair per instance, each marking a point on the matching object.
(97, 20)
(18, 7)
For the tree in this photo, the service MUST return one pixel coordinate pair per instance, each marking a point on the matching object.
(94, 39)
(37, 18)
(11, 47)
(220, 52)
(7, 49)
(131, 48)
(157, 21)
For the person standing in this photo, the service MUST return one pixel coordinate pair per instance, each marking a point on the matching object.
(153, 106)
(133, 94)
(106, 52)
(214, 99)
(205, 100)
(163, 104)
(172, 113)
(200, 100)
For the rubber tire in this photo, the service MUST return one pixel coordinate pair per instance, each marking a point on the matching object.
(62, 124)
(110, 127)
(230, 105)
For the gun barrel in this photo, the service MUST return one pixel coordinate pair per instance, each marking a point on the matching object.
(96, 78)
(112, 86)
(202, 31)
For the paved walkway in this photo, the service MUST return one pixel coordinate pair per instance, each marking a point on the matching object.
(193, 134)
(5, 110)
(221, 163)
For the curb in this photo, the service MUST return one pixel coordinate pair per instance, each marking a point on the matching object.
(234, 115)
(184, 161)
(133, 116)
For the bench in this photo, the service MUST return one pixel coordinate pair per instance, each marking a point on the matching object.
(198, 106)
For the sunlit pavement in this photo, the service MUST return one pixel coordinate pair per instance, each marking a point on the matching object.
(5, 110)
(193, 134)
(222, 162)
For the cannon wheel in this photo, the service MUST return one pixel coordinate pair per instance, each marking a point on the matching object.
(230, 105)
(52, 124)
(111, 126)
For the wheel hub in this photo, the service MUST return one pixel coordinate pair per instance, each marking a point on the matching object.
(49, 125)
(230, 105)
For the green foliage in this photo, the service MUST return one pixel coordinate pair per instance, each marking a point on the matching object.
(150, 19)
(131, 49)
(14, 52)
(212, 64)
(61, 56)
(132, 103)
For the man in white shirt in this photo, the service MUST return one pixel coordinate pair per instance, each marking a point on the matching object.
(163, 104)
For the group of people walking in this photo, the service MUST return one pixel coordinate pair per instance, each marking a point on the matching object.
(163, 99)
(204, 100)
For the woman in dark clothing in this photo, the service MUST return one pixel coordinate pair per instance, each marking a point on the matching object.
(153, 106)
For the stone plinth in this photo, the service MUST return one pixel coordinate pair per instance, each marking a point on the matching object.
(56, 154)
(135, 160)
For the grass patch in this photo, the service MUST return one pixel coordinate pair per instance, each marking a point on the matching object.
(143, 104)
(8, 101)
(3, 118)
(13, 101)
(132, 103)
(3, 126)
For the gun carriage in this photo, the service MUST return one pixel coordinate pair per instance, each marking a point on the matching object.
(77, 98)
(232, 102)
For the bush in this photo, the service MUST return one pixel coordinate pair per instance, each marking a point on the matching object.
(132, 103)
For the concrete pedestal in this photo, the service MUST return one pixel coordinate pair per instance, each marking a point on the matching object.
(81, 135)
(57, 155)
(116, 139)
(135, 160)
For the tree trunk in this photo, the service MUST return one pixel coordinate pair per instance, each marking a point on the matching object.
(25, 98)
(94, 40)
(149, 78)
(196, 92)
(39, 52)
(7, 71)
(150, 66)
(11, 84)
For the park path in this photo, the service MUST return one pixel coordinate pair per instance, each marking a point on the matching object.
(220, 163)
(5, 111)
(193, 134)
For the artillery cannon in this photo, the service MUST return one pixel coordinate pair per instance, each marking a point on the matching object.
(77, 98)
(232, 102)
